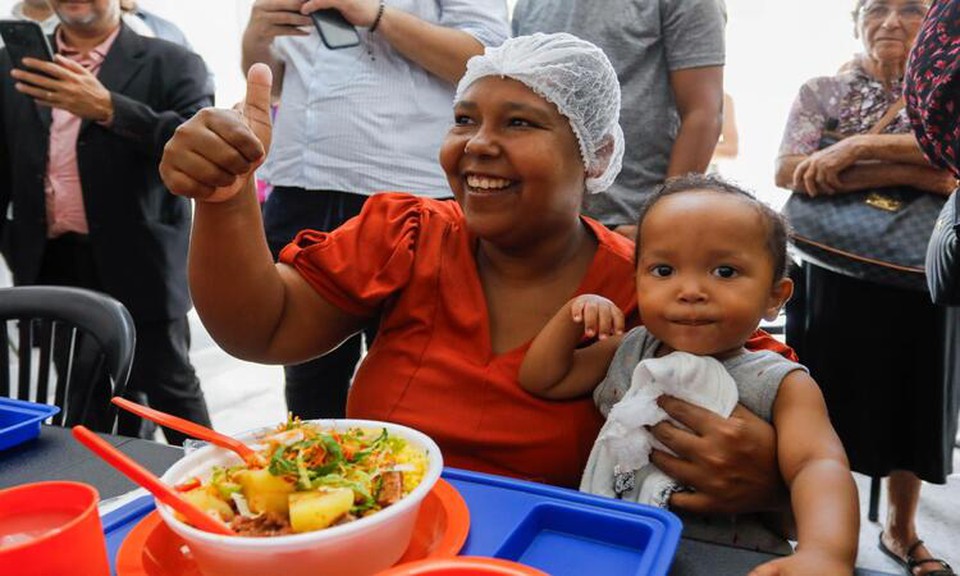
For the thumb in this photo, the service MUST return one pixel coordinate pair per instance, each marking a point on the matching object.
(256, 104)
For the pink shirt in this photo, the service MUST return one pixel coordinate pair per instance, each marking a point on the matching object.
(64, 195)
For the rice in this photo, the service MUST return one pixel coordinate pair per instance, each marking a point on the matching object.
(416, 459)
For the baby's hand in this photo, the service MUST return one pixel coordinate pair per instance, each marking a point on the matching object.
(803, 564)
(600, 317)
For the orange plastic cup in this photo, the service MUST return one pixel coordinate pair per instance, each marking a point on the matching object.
(52, 528)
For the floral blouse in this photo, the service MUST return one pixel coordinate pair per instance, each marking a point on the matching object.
(849, 103)
(933, 85)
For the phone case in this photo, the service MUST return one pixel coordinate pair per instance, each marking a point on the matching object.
(25, 39)
(335, 31)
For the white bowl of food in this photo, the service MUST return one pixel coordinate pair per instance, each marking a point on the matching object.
(332, 497)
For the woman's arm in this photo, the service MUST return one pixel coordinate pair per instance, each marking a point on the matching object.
(863, 162)
(897, 148)
(926, 178)
(253, 308)
(822, 490)
(554, 368)
(256, 310)
(438, 49)
(817, 174)
(785, 168)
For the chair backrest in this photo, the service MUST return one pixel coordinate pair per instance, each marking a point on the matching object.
(84, 339)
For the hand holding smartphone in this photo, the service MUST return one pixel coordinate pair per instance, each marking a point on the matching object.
(25, 39)
(335, 31)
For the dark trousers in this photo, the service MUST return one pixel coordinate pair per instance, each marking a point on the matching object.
(795, 330)
(162, 375)
(317, 388)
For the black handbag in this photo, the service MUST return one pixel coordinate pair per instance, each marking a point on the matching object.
(876, 235)
(943, 255)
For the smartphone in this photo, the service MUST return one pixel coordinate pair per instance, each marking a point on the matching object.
(335, 31)
(25, 39)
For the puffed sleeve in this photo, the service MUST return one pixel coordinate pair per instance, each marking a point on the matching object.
(817, 101)
(367, 260)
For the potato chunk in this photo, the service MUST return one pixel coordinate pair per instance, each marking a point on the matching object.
(206, 499)
(318, 509)
(264, 491)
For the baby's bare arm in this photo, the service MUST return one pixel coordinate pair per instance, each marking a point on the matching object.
(554, 367)
(822, 491)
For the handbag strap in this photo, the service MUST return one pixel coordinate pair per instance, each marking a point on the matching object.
(888, 116)
(956, 211)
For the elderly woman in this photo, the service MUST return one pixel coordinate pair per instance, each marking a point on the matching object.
(875, 350)
(461, 287)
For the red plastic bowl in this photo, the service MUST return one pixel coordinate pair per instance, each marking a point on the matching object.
(463, 566)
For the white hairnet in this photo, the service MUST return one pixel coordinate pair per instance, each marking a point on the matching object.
(578, 79)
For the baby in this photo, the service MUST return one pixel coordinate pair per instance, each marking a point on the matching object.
(710, 264)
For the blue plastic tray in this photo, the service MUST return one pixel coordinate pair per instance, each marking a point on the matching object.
(559, 531)
(20, 420)
(564, 532)
(119, 523)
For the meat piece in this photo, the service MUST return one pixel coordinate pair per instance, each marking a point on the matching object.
(267, 524)
(391, 488)
(345, 519)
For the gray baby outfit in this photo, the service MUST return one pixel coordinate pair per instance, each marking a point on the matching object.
(757, 375)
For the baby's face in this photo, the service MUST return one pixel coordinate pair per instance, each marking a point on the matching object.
(705, 275)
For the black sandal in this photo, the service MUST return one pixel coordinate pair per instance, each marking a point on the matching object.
(910, 562)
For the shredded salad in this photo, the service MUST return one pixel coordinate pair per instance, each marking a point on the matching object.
(308, 478)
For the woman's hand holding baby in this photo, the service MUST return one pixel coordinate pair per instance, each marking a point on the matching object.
(600, 317)
(730, 462)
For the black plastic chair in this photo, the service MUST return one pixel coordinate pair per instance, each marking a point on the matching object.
(73, 343)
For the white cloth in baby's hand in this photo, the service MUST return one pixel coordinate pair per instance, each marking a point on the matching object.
(623, 445)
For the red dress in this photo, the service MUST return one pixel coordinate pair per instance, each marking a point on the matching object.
(411, 261)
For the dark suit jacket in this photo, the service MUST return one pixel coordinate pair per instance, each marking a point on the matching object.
(139, 232)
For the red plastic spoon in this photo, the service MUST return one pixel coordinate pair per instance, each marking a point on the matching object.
(148, 480)
(248, 454)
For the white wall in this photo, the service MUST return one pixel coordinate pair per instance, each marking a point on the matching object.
(772, 47)
(214, 28)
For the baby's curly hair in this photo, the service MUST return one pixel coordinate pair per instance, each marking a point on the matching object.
(778, 229)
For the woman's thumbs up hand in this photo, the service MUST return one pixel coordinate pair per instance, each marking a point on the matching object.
(212, 156)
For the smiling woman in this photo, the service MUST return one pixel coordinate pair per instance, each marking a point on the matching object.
(459, 290)
(496, 168)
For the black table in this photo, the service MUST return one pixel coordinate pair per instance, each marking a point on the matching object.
(55, 455)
